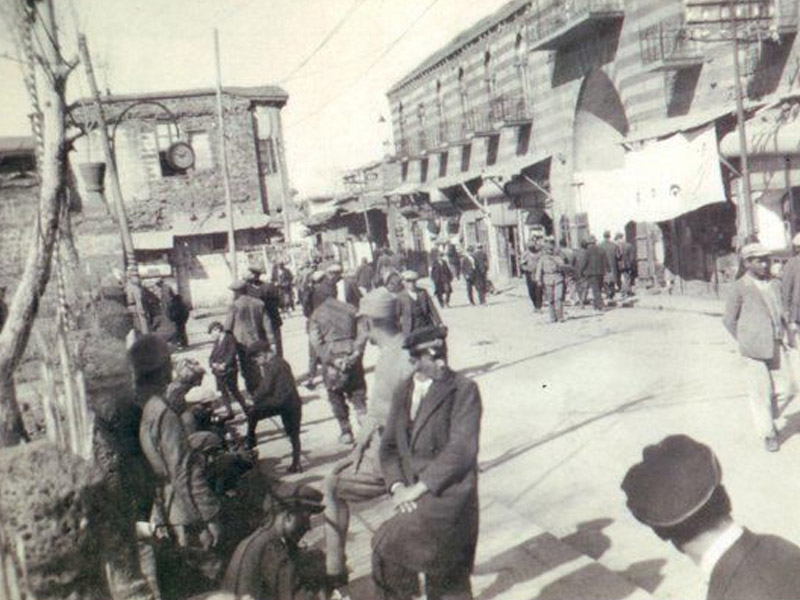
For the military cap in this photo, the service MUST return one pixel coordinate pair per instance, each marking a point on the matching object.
(409, 275)
(380, 303)
(200, 395)
(334, 267)
(204, 441)
(430, 339)
(754, 251)
(259, 347)
(238, 285)
(148, 354)
(299, 497)
(674, 480)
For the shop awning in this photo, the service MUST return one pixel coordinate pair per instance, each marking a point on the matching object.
(152, 240)
(409, 188)
(667, 127)
(768, 134)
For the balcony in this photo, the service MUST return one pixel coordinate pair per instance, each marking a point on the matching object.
(667, 47)
(558, 23)
(435, 137)
(403, 147)
(511, 110)
(778, 17)
(484, 121)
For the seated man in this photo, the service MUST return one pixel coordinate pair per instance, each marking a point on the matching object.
(276, 394)
(677, 491)
(269, 564)
(429, 457)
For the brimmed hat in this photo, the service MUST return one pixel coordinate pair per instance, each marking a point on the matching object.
(409, 275)
(238, 285)
(317, 276)
(257, 269)
(754, 251)
(334, 267)
(214, 325)
(675, 479)
(426, 339)
(380, 303)
(299, 497)
(148, 354)
(259, 347)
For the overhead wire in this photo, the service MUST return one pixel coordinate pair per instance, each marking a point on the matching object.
(342, 21)
(369, 68)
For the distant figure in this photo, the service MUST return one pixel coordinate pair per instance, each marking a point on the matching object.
(610, 249)
(754, 317)
(269, 295)
(223, 366)
(286, 285)
(270, 564)
(529, 261)
(453, 260)
(592, 270)
(481, 276)
(179, 313)
(415, 307)
(442, 278)
(163, 323)
(677, 491)
(580, 290)
(468, 270)
(626, 264)
(549, 274)
(790, 290)
(248, 322)
(364, 276)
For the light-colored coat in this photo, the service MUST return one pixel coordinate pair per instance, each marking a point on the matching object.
(749, 320)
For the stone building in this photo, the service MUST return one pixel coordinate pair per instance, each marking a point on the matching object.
(580, 116)
(176, 206)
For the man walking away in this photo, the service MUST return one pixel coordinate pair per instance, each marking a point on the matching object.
(429, 457)
(754, 317)
(269, 295)
(610, 277)
(248, 322)
(550, 275)
(529, 261)
(358, 477)
(442, 278)
(481, 276)
(592, 270)
(626, 262)
(453, 260)
(580, 289)
(677, 491)
(468, 271)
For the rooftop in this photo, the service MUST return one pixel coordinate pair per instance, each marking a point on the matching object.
(259, 94)
(462, 39)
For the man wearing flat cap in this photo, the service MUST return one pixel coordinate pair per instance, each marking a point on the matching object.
(754, 316)
(334, 285)
(249, 323)
(359, 477)
(677, 491)
(415, 306)
(269, 294)
(269, 564)
(429, 457)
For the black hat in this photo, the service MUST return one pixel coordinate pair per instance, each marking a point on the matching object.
(675, 479)
(259, 347)
(149, 354)
(299, 497)
(430, 339)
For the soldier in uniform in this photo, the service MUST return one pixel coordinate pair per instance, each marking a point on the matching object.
(677, 491)
(269, 564)
(550, 275)
(339, 343)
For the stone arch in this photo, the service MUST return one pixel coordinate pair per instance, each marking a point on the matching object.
(599, 126)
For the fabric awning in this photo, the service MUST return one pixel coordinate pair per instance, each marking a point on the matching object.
(770, 133)
(671, 126)
(408, 188)
(152, 240)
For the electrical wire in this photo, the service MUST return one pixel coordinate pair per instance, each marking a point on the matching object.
(371, 66)
(345, 17)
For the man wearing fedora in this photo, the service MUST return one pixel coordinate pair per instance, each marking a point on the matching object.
(677, 491)
(754, 317)
(429, 457)
(358, 477)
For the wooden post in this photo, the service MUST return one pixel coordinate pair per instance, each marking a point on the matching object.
(223, 150)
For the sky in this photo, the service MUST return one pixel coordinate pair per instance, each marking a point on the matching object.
(332, 121)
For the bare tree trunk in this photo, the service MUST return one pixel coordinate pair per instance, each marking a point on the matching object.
(53, 169)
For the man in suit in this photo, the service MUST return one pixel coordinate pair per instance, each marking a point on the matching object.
(335, 286)
(415, 306)
(442, 278)
(549, 274)
(270, 296)
(248, 322)
(610, 250)
(481, 277)
(468, 271)
(429, 457)
(754, 317)
(592, 269)
(626, 262)
(530, 259)
(677, 491)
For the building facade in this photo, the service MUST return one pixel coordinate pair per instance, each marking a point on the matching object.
(581, 116)
(174, 198)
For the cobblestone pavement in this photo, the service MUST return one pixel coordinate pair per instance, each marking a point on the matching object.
(567, 409)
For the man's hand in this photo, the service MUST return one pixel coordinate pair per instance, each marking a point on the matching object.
(405, 496)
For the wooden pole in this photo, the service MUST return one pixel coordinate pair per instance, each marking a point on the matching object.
(134, 289)
(223, 149)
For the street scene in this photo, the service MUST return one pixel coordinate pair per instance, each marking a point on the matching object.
(363, 300)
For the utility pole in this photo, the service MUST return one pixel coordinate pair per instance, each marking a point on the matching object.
(223, 148)
(134, 287)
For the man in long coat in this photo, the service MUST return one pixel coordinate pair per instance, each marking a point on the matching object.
(429, 457)
(248, 322)
(415, 307)
(530, 259)
(754, 317)
(611, 251)
(790, 287)
(442, 278)
(468, 270)
(592, 269)
(481, 276)
(270, 296)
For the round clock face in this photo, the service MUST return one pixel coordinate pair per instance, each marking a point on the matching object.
(180, 155)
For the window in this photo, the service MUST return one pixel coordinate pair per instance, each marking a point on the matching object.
(466, 153)
(201, 144)
(423, 170)
(523, 139)
(404, 171)
(492, 147)
(268, 156)
(166, 135)
(219, 241)
(443, 164)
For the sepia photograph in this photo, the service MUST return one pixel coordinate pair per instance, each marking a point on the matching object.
(399, 299)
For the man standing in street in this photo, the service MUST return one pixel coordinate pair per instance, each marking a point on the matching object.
(626, 262)
(415, 307)
(442, 278)
(754, 317)
(580, 289)
(529, 261)
(610, 249)
(481, 276)
(270, 296)
(339, 343)
(677, 491)
(358, 477)
(790, 290)
(335, 286)
(592, 270)
(429, 457)
(248, 322)
(550, 275)
(468, 271)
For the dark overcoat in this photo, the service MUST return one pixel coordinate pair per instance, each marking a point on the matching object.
(790, 289)
(416, 314)
(439, 448)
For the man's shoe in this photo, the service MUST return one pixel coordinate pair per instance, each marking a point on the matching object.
(346, 438)
(771, 443)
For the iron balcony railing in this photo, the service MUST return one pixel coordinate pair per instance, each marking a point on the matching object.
(554, 15)
(509, 109)
(668, 43)
(403, 147)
